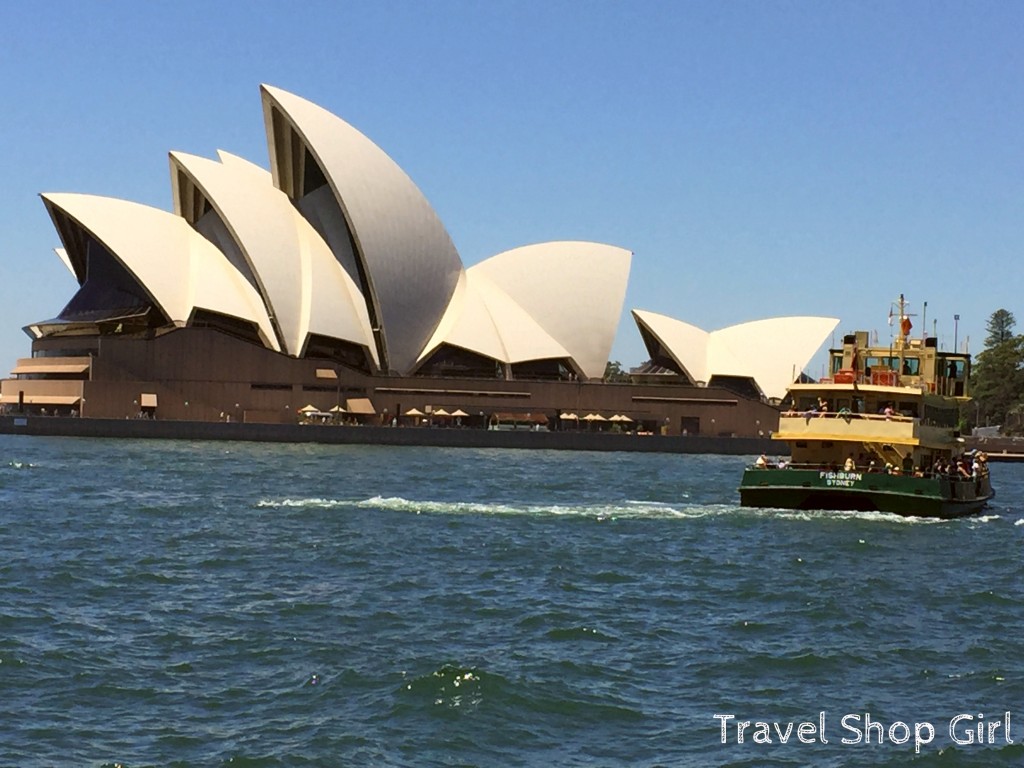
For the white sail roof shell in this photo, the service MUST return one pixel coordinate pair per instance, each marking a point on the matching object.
(773, 352)
(686, 344)
(62, 254)
(411, 264)
(482, 318)
(303, 285)
(179, 268)
(573, 290)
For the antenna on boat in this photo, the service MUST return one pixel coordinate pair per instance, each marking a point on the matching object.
(904, 331)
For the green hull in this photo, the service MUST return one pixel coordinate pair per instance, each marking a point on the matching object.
(862, 491)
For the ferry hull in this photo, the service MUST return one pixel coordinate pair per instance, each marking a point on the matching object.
(826, 490)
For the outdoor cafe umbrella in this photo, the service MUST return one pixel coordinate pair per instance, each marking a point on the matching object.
(459, 412)
(569, 416)
(309, 409)
(441, 412)
(413, 412)
(338, 409)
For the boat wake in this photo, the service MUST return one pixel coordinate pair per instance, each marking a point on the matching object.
(882, 517)
(627, 509)
(846, 514)
(612, 511)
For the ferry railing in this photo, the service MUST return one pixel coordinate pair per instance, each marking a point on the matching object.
(869, 470)
(846, 415)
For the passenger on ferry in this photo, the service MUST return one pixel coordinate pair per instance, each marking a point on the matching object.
(762, 462)
(850, 465)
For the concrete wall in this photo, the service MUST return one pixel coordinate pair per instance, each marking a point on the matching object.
(369, 435)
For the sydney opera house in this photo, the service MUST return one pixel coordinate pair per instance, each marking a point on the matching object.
(330, 282)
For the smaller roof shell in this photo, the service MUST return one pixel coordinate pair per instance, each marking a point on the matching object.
(176, 266)
(485, 320)
(574, 290)
(772, 351)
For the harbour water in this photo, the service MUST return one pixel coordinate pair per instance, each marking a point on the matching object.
(178, 603)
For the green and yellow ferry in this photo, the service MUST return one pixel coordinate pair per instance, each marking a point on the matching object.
(880, 434)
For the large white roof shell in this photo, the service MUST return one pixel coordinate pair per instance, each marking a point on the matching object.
(573, 290)
(410, 262)
(303, 285)
(773, 352)
(179, 268)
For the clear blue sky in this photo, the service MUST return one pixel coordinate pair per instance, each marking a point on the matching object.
(759, 158)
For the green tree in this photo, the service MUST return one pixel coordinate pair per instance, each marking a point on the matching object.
(1000, 328)
(997, 381)
(613, 372)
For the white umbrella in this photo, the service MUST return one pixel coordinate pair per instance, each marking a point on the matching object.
(308, 409)
(441, 412)
(413, 412)
(459, 412)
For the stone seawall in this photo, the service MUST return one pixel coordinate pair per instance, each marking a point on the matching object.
(441, 437)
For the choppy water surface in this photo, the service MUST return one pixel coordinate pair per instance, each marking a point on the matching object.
(173, 603)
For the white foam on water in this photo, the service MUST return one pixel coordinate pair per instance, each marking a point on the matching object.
(323, 503)
(600, 511)
(984, 518)
(625, 509)
(846, 514)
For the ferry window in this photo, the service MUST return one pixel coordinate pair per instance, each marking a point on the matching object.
(955, 369)
(911, 366)
(837, 363)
